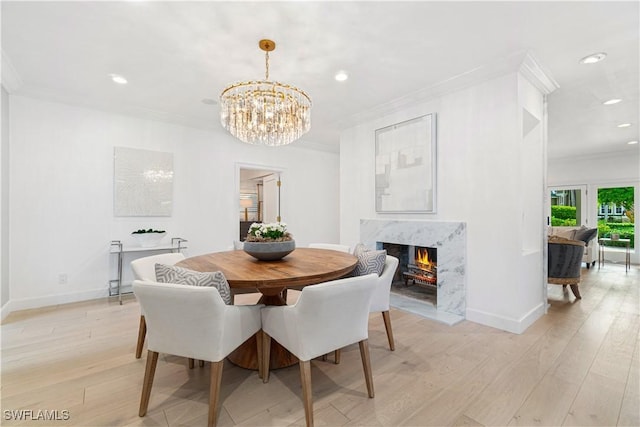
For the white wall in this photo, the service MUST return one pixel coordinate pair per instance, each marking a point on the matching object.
(4, 202)
(62, 194)
(606, 170)
(480, 159)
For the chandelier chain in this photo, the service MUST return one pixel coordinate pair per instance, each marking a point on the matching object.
(266, 61)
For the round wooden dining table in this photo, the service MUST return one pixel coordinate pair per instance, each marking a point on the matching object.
(302, 267)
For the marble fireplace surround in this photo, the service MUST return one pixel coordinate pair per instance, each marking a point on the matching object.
(450, 238)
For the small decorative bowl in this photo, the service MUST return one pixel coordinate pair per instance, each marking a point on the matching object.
(269, 251)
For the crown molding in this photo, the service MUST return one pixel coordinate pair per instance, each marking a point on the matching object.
(521, 61)
(11, 80)
(530, 68)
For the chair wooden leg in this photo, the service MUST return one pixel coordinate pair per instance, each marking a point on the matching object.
(305, 378)
(387, 325)
(266, 355)
(336, 356)
(142, 332)
(202, 363)
(259, 353)
(214, 391)
(576, 291)
(149, 372)
(191, 363)
(366, 365)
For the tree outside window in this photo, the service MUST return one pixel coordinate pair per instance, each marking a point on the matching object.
(616, 214)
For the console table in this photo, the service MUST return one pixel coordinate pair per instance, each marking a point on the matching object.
(117, 248)
(627, 256)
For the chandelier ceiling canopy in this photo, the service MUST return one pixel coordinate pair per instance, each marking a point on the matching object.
(264, 112)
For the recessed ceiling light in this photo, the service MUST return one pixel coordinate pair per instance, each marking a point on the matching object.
(209, 101)
(624, 125)
(118, 79)
(612, 101)
(632, 142)
(341, 76)
(592, 59)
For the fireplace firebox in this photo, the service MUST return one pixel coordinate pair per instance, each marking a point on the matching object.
(423, 270)
(418, 267)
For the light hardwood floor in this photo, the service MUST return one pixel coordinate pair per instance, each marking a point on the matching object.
(578, 365)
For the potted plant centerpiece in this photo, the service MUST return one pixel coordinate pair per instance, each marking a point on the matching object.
(269, 242)
(148, 238)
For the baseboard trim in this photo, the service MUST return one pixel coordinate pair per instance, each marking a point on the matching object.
(5, 310)
(516, 326)
(45, 301)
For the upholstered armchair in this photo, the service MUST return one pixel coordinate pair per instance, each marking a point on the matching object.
(564, 263)
(587, 235)
(332, 246)
(193, 322)
(380, 300)
(145, 269)
(326, 317)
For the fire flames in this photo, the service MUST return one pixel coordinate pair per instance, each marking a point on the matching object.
(422, 259)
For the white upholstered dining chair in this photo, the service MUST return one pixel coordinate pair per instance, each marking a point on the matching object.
(145, 269)
(332, 246)
(380, 300)
(201, 327)
(326, 317)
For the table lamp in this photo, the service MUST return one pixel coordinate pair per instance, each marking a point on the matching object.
(246, 204)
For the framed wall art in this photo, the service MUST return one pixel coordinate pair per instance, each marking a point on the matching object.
(143, 182)
(406, 166)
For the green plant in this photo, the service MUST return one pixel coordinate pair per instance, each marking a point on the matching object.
(603, 229)
(557, 222)
(150, 230)
(623, 229)
(563, 212)
(619, 196)
(273, 232)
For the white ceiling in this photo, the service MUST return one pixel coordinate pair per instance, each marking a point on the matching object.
(175, 54)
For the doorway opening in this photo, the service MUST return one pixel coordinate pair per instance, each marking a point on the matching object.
(259, 192)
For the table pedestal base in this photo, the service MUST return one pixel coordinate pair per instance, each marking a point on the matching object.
(246, 356)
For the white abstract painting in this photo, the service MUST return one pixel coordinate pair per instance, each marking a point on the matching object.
(143, 182)
(406, 166)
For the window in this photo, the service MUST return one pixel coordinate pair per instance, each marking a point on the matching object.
(616, 213)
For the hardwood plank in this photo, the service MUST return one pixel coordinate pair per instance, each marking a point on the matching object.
(597, 403)
(548, 404)
(630, 410)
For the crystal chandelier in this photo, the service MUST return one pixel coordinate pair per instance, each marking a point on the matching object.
(265, 112)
